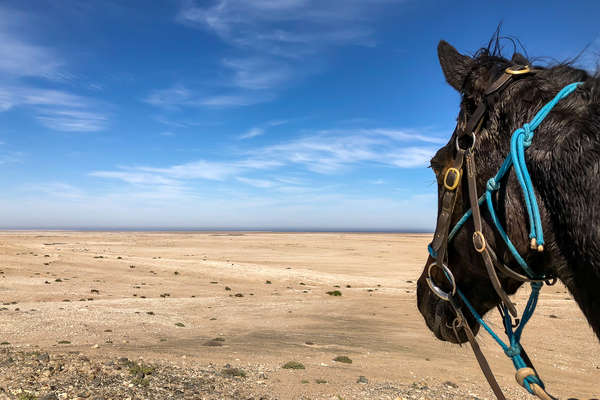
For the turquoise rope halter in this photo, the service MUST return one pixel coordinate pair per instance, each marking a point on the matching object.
(520, 140)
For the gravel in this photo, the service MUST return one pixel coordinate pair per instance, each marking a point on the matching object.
(72, 375)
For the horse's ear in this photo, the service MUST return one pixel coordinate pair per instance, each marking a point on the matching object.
(454, 65)
(519, 59)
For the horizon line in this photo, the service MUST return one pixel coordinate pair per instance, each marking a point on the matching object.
(215, 229)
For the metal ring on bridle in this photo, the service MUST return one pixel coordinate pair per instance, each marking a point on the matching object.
(458, 148)
(525, 70)
(479, 241)
(436, 289)
(454, 184)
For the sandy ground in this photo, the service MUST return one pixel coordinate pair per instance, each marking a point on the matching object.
(112, 294)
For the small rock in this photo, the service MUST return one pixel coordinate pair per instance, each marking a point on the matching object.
(362, 379)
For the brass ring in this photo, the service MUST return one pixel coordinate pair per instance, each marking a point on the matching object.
(483, 246)
(456, 181)
(512, 71)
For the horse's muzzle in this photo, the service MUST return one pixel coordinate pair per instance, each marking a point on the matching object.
(440, 316)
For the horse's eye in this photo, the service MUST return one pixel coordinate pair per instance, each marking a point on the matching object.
(436, 167)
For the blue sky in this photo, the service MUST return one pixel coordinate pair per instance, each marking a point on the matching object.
(289, 114)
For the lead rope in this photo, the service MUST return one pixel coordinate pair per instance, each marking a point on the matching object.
(520, 140)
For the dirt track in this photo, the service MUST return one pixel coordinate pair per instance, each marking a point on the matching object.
(128, 292)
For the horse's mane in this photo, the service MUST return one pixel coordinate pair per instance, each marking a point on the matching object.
(494, 53)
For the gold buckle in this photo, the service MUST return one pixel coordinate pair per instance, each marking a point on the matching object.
(478, 234)
(512, 71)
(456, 180)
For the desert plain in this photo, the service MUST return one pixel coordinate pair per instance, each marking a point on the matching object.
(253, 301)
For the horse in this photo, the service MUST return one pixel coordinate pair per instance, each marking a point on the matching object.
(563, 162)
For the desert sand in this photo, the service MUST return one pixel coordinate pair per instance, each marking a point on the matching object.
(162, 296)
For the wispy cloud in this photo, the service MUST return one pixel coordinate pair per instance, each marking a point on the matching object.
(254, 132)
(332, 150)
(72, 120)
(135, 177)
(286, 28)
(172, 97)
(9, 157)
(274, 43)
(324, 152)
(258, 72)
(260, 183)
(14, 96)
(55, 109)
(179, 96)
(261, 130)
(22, 59)
(55, 189)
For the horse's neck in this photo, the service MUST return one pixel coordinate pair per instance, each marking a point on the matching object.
(567, 176)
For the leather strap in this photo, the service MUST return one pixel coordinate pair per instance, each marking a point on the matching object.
(498, 83)
(481, 360)
(440, 239)
(489, 266)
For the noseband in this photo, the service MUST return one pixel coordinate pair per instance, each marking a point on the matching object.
(438, 249)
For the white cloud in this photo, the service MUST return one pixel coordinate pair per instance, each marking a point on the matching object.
(332, 150)
(10, 157)
(135, 177)
(259, 183)
(235, 100)
(55, 189)
(180, 96)
(258, 73)
(195, 170)
(325, 152)
(20, 58)
(254, 132)
(274, 42)
(55, 109)
(72, 120)
(13, 96)
(261, 130)
(410, 157)
(291, 29)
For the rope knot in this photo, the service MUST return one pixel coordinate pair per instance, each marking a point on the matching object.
(528, 135)
(492, 185)
(513, 350)
(536, 286)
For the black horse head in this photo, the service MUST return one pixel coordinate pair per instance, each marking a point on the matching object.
(512, 106)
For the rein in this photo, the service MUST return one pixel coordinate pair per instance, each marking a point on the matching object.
(526, 374)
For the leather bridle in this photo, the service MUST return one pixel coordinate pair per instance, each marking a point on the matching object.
(452, 177)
